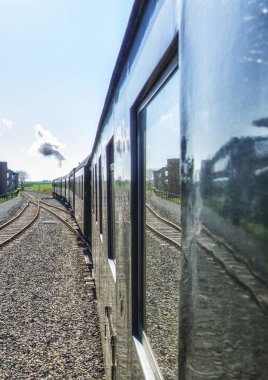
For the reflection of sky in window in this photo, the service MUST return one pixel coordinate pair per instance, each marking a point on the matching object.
(227, 90)
(221, 164)
(162, 126)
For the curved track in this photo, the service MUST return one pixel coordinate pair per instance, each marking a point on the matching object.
(235, 266)
(65, 216)
(19, 223)
(28, 215)
(163, 227)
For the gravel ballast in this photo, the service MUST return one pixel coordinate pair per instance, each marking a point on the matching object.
(48, 316)
(11, 208)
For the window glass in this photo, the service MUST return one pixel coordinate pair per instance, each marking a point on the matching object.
(161, 257)
(100, 194)
(96, 194)
(110, 197)
(82, 187)
(93, 190)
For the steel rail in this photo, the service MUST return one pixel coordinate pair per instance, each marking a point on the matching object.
(12, 237)
(240, 259)
(47, 204)
(75, 230)
(164, 236)
(171, 225)
(163, 219)
(15, 217)
(57, 207)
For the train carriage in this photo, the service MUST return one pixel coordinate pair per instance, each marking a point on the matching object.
(177, 194)
(71, 189)
(83, 197)
(58, 186)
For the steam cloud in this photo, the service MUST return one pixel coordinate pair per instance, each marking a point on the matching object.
(47, 145)
(48, 149)
(261, 122)
(6, 125)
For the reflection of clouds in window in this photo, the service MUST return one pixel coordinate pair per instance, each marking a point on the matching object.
(261, 149)
(163, 127)
(261, 171)
(221, 164)
(231, 91)
(170, 122)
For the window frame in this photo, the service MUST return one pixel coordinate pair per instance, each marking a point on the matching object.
(110, 200)
(100, 194)
(96, 192)
(164, 71)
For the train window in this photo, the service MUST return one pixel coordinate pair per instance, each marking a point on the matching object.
(75, 185)
(93, 190)
(96, 194)
(159, 221)
(100, 195)
(79, 187)
(82, 187)
(110, 197)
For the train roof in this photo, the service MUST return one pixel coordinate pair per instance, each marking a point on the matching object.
(129, 37)
(71, 172)
(58, 178)
(85, 162)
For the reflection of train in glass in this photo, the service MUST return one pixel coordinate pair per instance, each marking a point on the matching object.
(235, 179)
(173, 197)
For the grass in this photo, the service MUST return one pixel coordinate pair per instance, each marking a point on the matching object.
(175, 198)
(43, 187)
(259, 231)
(8, 196)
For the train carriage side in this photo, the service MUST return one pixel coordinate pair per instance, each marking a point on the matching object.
(57, 186)
(133, 347)
(54, 186)
(71, 186)
(82, 197)
(67, 189)
(176, 188)
(63, 186)
(180, 296)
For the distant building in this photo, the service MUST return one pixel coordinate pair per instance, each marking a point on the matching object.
(9, 180)
(167, 178)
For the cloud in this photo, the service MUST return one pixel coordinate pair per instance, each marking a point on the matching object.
(5, 126)
(168, 120)
(46, 144)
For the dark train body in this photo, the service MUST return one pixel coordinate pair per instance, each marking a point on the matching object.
(182, 136)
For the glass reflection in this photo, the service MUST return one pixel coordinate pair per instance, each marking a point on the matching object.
(225, 182)
(160, 122)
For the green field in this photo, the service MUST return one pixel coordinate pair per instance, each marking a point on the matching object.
(44, 187)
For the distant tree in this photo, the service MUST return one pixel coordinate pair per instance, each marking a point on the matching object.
(22, 177)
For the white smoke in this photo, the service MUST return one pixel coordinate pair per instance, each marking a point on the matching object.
(5, 126)
(47, 144)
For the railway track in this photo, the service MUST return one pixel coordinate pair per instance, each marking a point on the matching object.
(162, 227)
(236, 267)
(10, 230)
(15, 226)
(60, 213)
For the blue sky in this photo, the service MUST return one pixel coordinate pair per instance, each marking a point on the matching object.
(57, 58)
